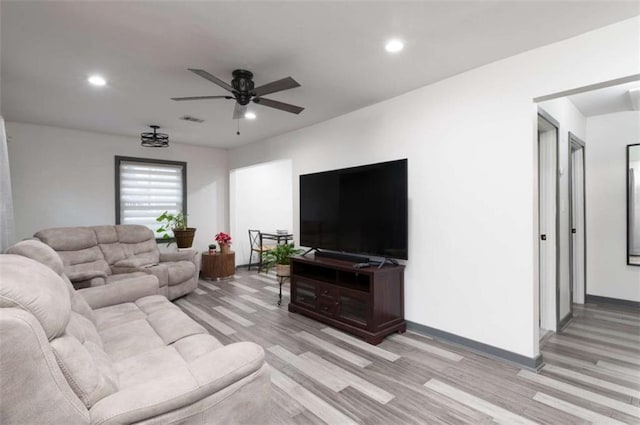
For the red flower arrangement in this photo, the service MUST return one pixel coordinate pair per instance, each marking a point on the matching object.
(223, 239)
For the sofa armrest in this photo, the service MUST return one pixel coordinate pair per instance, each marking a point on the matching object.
(124, 291)
(125, 270)
(213, 372)
(83, 275)
(178, 256)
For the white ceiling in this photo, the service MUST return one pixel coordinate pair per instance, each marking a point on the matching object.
(605, 101)
(334, 49)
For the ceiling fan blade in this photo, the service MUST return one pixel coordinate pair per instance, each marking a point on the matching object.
(276, 86)
(278, 105)
(239, 111)
(204, 74)
(201, 97)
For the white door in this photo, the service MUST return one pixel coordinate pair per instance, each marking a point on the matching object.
(547, 184)
(578, 235)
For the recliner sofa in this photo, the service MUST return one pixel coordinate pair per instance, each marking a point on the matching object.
(141, 360)
(102, 255)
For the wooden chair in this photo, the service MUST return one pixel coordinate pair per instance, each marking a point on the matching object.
(255, 240)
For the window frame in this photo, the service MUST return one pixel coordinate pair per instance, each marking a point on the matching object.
(119, 159)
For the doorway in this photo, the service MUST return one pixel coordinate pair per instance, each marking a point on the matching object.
(548, 222)
(260, 197)
(577, 220)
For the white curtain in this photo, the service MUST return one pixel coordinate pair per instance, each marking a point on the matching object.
(6, 200)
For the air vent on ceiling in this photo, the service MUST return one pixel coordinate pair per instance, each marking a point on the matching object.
(192, 119)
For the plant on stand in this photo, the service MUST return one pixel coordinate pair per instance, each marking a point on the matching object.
(280, 258)
(177, 224)
(224, 241)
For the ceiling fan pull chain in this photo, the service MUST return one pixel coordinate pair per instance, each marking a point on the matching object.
(238, 132)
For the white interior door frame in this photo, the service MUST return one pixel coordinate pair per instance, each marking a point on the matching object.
(548, 221)
(577, 219)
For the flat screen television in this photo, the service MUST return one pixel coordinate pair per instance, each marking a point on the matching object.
(360, 210)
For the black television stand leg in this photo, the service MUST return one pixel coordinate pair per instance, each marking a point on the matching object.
(309, 250)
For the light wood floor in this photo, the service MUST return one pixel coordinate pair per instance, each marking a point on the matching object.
(320, 375)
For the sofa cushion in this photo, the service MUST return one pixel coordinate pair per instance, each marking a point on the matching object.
(161, 272)
(68, 238)
(194, 346)
(134, 233)
(40, 252)
(179, 271)
(151, 322)
(85, 263)
(116, 315)
(78, 303)
(136, 262)
(133, 276)
(149, 365)
(129, 338)
(83, 329)
(31, 286)
(105, 234)
(138, 242)
(91, 378)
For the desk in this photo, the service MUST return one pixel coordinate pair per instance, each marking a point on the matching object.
(285, 238)
(217, 265)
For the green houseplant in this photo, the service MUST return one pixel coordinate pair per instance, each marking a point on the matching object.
(177, 224)
(280, 258)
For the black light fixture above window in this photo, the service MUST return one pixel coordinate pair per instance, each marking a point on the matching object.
(155, 139)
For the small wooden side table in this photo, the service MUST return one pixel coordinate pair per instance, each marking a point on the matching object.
(218, 265)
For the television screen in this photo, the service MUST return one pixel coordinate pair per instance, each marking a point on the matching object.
(359, 210)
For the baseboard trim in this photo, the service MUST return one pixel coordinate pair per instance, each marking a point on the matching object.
(478, 347)
(564, 322)
(596, 299)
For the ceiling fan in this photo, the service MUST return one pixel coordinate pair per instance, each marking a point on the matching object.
(243, 91)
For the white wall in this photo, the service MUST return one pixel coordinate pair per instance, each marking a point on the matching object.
(608, 274)
(260, 198)
(471, 145)
(570, 120)
(63, 177)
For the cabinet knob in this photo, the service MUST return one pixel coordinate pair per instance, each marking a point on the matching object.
(337, 302)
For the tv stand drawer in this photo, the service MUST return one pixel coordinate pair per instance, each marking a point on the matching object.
(327, 307)
(327, 292)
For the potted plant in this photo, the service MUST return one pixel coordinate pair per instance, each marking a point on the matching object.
(280, 257)
(176, 223)
(224, 240)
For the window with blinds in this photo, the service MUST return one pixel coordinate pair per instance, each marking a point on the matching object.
(146, 188)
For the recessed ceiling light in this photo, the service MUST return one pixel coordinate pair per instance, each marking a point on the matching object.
(394, 46)
(97, 80)
(250, 115)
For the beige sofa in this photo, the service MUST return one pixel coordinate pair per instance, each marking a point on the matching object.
(102, 255)
(141, 361)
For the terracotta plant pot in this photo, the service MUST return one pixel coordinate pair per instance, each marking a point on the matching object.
(184, 238)
(283, 270)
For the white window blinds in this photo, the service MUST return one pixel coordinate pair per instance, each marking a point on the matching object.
(147, 190)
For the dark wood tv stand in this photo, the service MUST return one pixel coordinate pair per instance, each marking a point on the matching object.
(366, 302)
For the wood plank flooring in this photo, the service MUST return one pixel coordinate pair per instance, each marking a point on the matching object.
(323, 376)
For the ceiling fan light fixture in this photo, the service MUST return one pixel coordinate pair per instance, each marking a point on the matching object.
(250, 115)
(154, 139)
(394, 45)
